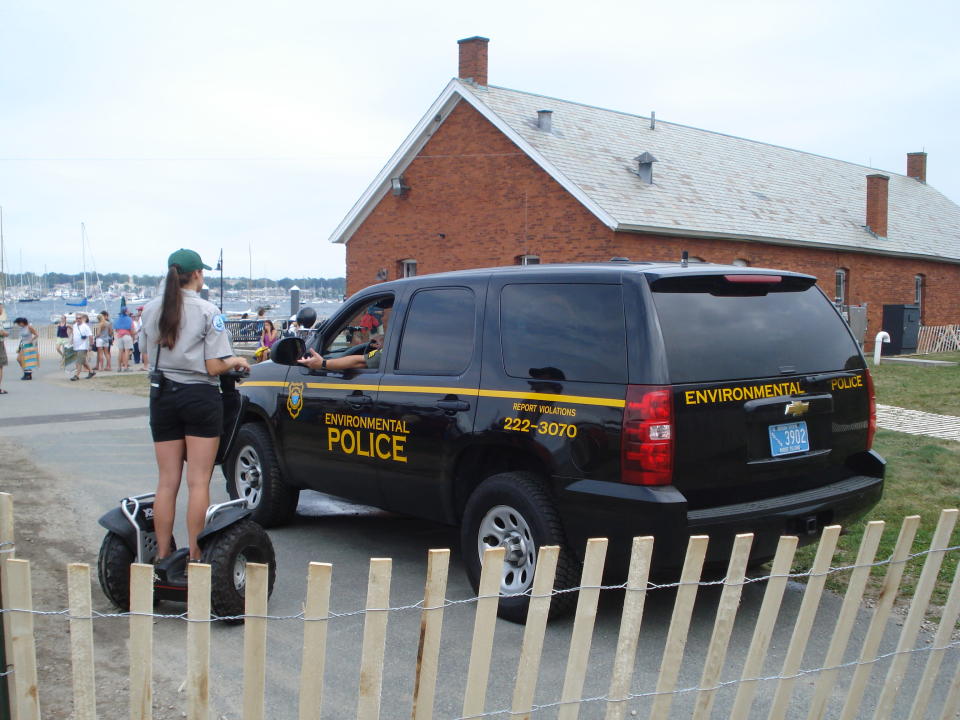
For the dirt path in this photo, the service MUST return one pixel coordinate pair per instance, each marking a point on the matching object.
(47, 532)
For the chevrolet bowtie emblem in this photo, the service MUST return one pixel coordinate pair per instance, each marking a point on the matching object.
(797, 407)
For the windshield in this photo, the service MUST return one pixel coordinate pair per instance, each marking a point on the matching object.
(715, 330)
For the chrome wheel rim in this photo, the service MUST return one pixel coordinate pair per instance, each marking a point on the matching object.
(240, 572)
(248, 476)
(504, 527)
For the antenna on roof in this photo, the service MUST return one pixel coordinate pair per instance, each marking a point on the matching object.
(684, 257)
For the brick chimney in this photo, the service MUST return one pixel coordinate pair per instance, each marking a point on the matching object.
(917, 166)
(877, 188)
(473, 59)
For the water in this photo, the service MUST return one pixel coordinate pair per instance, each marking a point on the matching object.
(39, 313)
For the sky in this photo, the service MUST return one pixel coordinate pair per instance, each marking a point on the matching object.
(255, 126)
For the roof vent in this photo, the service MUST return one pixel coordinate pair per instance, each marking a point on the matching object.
(653, 119)
(645, 167)
(545, 120)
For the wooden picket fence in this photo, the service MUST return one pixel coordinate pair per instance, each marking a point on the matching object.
(22, 673)
(938, 338)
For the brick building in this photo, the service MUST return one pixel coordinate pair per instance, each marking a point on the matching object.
(492, 176)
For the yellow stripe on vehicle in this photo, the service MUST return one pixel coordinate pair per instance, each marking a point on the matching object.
(575, 399)
(436, 390)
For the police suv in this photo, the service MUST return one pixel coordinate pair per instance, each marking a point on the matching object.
(545, 405)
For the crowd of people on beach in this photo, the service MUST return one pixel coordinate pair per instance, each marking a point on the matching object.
(85, 347)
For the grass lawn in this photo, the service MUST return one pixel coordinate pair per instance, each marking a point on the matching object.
(923, 476)
(933, 389)
(134, 383)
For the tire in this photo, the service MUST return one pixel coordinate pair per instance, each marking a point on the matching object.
(514, 509)
(228, 552)
(113, 570)
(252, 472)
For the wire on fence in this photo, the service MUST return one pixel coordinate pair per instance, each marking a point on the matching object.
(718, 686)
(96, 615)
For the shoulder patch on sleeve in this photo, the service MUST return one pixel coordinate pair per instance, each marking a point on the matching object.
(218, 323)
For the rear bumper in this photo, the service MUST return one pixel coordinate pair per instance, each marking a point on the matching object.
(619, 512)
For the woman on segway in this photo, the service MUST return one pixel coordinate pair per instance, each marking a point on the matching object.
(189, 347)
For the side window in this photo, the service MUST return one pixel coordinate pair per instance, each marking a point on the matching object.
(369, 322)
(918, 293)
(438, 334)
(840, 289)
(564, 332)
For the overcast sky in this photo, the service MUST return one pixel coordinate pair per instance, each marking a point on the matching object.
(257, 125)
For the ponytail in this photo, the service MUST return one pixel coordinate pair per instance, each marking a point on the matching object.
(172, 307)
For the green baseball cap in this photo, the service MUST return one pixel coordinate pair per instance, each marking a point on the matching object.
(187, 260)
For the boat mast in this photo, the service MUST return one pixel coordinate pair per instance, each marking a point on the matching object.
(3, 269)
(83, 251)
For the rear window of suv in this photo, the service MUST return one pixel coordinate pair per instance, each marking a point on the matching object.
(714, 329)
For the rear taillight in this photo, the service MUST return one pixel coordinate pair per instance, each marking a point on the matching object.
(872, 423)
(646, 456)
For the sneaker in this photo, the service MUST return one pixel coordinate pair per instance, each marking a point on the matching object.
(74, 378)
(91, 374)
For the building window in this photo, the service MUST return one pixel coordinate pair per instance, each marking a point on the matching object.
(407, 268)
(918, 290)
(740, 262)
(840, 293)
(528, 259)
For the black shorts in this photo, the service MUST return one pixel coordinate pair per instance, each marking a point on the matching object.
(181, 410)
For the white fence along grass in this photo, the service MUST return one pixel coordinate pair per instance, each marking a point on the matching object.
(621, 697)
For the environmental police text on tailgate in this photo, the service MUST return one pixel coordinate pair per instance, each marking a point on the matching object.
(547, 404)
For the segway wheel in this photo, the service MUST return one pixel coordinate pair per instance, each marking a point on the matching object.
(228, 553)
(113, 570)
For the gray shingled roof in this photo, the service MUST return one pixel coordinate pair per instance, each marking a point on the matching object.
(719, 185)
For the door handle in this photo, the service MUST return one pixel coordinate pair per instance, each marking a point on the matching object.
(357, 401)
(452, 406)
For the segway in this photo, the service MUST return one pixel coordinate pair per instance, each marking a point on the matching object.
(228, 541)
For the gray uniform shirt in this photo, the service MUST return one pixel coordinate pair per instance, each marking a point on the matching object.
(203, 336)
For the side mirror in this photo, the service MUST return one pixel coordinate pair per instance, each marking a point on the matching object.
(288, 350)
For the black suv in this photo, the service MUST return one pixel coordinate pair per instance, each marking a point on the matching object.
(550, 404)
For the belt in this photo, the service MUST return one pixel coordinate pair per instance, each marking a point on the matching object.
(174, 386)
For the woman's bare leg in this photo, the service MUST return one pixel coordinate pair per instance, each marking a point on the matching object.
(170, 457)
(201, 452)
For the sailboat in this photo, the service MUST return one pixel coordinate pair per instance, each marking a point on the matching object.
(86, 296)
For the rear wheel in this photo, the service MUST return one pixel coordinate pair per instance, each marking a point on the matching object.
(253, 473)
(512, 510)
(113, 570)
(228, 553)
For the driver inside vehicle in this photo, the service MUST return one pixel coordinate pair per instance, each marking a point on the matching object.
(354, 356)
(369, 358)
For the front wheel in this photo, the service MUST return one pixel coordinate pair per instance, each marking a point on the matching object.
(513, 510)
(113, 570)
(228, 553)
(253, 473)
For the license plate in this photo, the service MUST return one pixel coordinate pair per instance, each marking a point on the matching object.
(789, 438)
